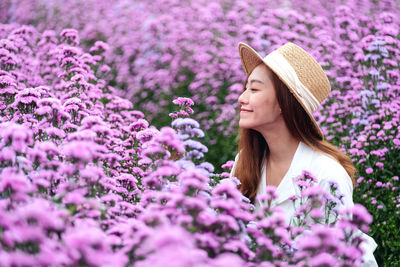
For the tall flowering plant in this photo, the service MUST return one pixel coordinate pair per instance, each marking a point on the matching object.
(367, 125)
(69, 147)
(151, 52)
(85, 180)
(158, 50)
(320, 216)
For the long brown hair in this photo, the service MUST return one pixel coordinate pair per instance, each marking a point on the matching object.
(253, 147)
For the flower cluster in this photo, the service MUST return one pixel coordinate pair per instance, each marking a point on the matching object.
(69, 154)
(153, 52)
(85, 180)
(324, 225)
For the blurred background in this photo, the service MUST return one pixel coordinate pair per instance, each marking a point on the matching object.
(162, 49)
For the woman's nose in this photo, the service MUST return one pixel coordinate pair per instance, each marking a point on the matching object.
(243, 98)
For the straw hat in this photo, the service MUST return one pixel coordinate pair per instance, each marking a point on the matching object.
(296, 68)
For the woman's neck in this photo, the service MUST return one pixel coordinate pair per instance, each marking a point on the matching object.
(282, 145)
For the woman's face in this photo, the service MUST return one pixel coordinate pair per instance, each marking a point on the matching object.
(259, 108)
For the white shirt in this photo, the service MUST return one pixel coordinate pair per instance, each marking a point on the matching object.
(325, 169)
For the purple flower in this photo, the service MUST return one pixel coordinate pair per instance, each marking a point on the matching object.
(99, 47)
(317, 213)
(227, 259)
(17, 182)
(147, 134)
(196, 145)
(228, 165)
(369, 170)
(92, 174)
(87, 147)
(173, 115)
(270, 194)
(7, 155)
(75, 197)
(183, 101)
(171, 244)
(360, 218)
(70, 36)
(192, 180)
(183, 113)
(313, 191)
(81, 151)
(323, 259)
(16, 136)
(207, 166)
(185, 122)
(88, 243)
(44, 213)
(139, 125)
(168, 138)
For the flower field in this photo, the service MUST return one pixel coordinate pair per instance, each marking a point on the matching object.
(118, 127)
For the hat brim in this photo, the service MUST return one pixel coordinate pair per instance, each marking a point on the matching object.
(251, 59)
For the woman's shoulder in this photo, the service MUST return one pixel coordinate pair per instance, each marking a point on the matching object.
(325, 161)
(317, 159)
(324, 166)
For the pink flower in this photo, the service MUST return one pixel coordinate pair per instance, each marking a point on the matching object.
(183, 101)
(369, 170)
(17, 182)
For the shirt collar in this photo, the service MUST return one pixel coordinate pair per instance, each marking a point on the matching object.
(301, 161)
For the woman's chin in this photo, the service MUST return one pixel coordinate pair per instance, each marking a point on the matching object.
(245, 125)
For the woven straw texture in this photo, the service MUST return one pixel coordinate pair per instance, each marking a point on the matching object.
(306, 67)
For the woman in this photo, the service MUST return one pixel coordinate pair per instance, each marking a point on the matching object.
(279, 137)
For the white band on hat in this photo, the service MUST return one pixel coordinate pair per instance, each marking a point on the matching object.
(279, 64)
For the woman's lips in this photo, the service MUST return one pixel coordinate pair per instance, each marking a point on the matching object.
(245, 110)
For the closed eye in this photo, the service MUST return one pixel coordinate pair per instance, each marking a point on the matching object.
(251, 89)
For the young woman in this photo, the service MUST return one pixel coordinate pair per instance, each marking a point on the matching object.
(279, 137)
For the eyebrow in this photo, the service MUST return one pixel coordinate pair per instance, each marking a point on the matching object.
(256, 81)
